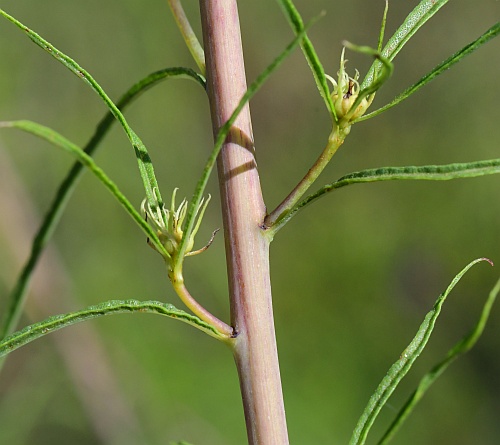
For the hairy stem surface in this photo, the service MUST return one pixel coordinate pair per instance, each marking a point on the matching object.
(247, 248)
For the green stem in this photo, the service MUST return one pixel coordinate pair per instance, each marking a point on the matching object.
(188, 34)
(198, 309)
(335, 140)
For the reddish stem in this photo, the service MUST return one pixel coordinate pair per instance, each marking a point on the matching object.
(247, 248)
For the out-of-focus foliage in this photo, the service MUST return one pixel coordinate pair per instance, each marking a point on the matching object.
(357, 271)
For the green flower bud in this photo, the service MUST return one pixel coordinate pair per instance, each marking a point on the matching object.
(168, 223)
(345, 92)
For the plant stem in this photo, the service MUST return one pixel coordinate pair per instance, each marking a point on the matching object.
(188, 34)
(335, 140)
(197, 308)
(247, 246)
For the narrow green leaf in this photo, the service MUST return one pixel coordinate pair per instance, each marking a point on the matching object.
(56, 322)
(401, 367)
(462, 347)
(442, 67)
(154, 78)
(424, 172)
(310, 54)
(421, 14)
(382, 27)
(60, 141)
(145, 166)
(67, 186)
(221, 137)
(188, 34)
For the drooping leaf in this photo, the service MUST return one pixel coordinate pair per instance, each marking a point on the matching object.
(401, 367)
(462, 347)
(56, 322)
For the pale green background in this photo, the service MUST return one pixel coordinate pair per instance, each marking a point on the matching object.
(352, 276)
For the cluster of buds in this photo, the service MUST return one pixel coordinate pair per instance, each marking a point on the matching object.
(345, 92)
(168, 224)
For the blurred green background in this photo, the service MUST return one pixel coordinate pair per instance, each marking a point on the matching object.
(353, 275)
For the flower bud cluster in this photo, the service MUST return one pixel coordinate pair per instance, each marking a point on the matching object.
(168, 223)
(345, 92)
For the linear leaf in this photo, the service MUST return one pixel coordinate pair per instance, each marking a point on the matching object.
(60, 141)
(152, 79)
(421, 14)
(382, 27)
(310, 54)
(56, 322)
(424, 172)
(67, 186)
(401, 367)
(462, 347)
(221, 137)
(442, 67)
(145, 165)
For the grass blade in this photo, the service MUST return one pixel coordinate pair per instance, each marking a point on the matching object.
(221, 137)
(421, 14)
(447, 64)
(424, 172)
(60, 141)
(145, 166)
(462, 347)
(401, 367)
(67, 186)
(56, 322)
(310, 54)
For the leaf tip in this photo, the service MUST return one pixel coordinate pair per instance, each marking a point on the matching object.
(488, 260)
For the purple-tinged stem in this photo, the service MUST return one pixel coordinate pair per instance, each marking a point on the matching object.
(247, 247)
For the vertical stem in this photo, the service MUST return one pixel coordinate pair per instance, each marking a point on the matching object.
(247, 248)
